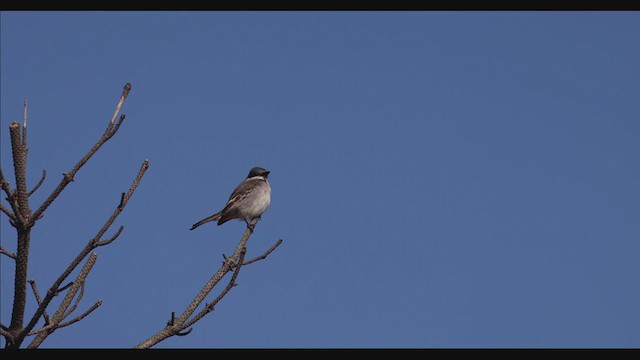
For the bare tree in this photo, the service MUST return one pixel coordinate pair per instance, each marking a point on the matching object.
(23, 219)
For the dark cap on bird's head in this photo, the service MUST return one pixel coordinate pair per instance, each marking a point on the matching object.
(258, 171)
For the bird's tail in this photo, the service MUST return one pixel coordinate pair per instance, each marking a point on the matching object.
(213, 217)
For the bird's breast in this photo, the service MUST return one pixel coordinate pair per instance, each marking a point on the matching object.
(258, 201)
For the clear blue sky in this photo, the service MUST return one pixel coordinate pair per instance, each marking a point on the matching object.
(440, 179)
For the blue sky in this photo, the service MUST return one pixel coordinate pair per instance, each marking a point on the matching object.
(440, 179)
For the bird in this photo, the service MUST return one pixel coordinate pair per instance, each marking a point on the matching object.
(248, 200)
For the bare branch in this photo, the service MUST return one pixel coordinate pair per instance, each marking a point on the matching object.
(91, 245)
(19, 167)
(69, 176)
(39, 300)
(4, 331)
(8, 213)
(123, 202)
(75, 304)
(5, 186)
(4, 251)
(184, 333)
(266, 253)
(123, 97)
(67, 323)
(62, 309)
(177, 325)
(44, 175)
(111, 239)
(81, 316)
(211, 306)
(63, 288)
(24, 123)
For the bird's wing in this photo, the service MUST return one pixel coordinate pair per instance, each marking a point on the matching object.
(239, 193)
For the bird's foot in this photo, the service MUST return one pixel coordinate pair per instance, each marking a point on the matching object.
(250, 226)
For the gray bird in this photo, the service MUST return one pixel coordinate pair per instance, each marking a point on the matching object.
(248, 201)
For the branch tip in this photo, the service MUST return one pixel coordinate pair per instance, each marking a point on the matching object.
(121, 205)
(127, 89)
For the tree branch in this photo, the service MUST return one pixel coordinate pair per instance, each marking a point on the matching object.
(265, 254)
(75, 304)
(70, 322)
(44, 175)
(7, 335)
(20, 203)
(179, 324)
(60, 313)
(5, 185)
(111, 239)
(39, 300)
(90, 246)
(18, 149)
(7, 253)
(8, 213)
(24, 123)
(211, 306)
(69, 176)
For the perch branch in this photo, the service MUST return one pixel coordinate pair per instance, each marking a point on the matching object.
(182, 322)
(264, 255)
(211, 306)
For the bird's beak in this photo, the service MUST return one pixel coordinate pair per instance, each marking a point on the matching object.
(267, 173)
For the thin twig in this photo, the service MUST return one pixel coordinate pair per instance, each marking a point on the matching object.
(111, 239)
(24, 123)
(75, 304)
(184, 333)
(70, 322)
(81, 316)
(5, 185)
(44, 175)
(4, 251)
(63, 288)
(8, 213)
(265, 254)
(39, 300)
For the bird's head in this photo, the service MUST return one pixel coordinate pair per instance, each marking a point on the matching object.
(258, 171)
